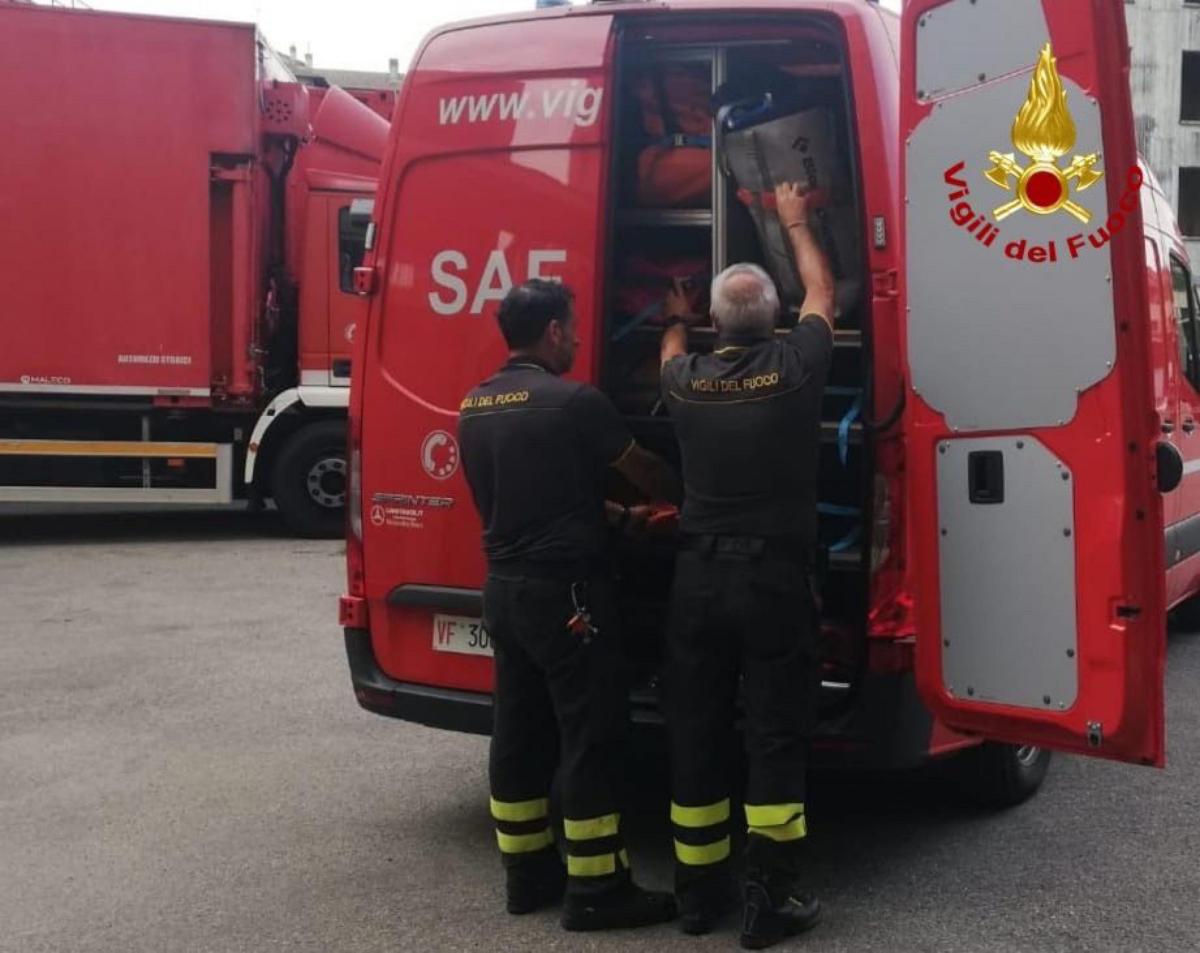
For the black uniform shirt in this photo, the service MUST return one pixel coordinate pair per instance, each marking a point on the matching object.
(535, 448)
(748, 420)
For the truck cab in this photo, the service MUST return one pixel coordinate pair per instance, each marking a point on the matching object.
(994, 478)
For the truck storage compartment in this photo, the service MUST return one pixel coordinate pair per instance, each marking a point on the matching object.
(801, 61)
(114, 203)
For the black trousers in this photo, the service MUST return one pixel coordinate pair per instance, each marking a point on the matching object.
(561, 703)
(747, 618)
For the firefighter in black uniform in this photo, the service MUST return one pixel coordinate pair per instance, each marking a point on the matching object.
(537, 449)
(747, 418)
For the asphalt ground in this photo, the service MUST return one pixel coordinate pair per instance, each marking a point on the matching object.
(183, 767)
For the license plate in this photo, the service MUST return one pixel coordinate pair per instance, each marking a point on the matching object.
(465, 636)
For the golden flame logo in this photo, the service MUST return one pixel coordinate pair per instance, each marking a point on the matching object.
(1044, 131)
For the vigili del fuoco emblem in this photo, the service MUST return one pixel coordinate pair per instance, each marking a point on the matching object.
(1044, 131)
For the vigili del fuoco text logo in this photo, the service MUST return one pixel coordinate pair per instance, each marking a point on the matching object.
(1045, 132)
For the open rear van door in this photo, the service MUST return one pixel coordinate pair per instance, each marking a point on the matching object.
(1036, 518)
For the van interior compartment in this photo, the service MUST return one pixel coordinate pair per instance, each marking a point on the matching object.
(660, 233)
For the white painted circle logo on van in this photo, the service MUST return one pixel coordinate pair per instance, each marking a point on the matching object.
(439, 455)
(378, 516)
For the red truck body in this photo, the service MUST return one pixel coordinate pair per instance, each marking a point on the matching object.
(1029, 376)
(381, 101)
(167, 193)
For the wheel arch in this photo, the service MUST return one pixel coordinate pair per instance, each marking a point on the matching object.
(288, 413)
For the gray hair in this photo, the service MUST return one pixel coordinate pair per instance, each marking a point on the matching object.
(747, 308)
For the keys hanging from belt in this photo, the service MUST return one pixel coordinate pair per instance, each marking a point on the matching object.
(580, 624)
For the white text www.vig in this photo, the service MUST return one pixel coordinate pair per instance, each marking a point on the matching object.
(577, 103)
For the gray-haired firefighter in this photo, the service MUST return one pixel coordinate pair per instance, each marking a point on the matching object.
(536, 449)
(747, 418)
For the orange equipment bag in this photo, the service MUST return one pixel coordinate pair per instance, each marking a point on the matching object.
(674, 167)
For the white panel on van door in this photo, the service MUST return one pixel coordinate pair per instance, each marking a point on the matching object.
(1009, 634)
(995, 342)
(1012, 28)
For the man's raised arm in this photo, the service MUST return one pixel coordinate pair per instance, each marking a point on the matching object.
(795, 215)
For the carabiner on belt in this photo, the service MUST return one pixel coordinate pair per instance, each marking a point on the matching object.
(580, 624)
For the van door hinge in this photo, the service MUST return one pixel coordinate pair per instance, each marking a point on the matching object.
(1095, 734)
(885, 284)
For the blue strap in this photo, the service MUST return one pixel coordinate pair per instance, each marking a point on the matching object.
(638, 320)
(850, 540)
(844, 428)
(747, 113)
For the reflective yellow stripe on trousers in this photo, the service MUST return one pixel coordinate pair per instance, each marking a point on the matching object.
(517, 811)
(592, 828)
(704, 815)
(779, 822)
(599, 866)
(523, 843)
(702, 855)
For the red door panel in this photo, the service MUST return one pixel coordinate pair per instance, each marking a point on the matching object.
(1036, 524)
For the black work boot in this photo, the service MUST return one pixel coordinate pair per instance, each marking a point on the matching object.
(536, 881)
(703, 903)
(771, 914)
(627, 905)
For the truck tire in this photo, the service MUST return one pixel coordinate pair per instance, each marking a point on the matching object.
(308, 480)
(999, 776)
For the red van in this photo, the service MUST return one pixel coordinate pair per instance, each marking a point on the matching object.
(1014, 393)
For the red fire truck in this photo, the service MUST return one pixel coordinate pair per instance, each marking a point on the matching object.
(181, 223)
(1022, 353)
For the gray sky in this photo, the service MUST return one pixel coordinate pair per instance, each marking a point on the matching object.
(353, 34)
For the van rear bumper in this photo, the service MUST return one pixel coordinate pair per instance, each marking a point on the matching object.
(884, 726)
(449, 708)
(378, 692)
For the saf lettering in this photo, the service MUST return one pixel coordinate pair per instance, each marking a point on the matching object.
(450, 271)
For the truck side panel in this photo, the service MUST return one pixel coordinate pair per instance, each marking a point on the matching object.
(112, 125)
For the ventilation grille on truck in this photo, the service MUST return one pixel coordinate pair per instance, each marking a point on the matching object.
(285, 108)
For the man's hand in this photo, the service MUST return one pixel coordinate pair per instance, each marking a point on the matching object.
(639, 517)
(649, 475)
(795, 206)
(792, 204)
(677, 311)
(677, 307)
(631, 520)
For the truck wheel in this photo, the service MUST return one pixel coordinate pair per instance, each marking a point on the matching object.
(999, 776)
(309, 480)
